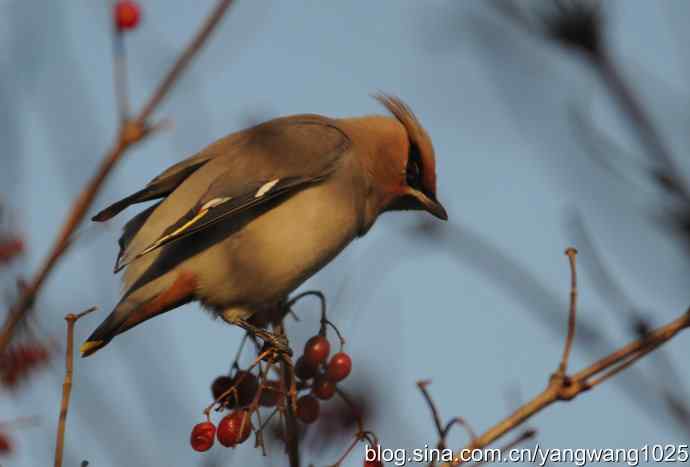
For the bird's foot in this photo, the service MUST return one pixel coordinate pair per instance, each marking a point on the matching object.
(276, 342)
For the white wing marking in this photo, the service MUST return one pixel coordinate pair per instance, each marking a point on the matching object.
(265, 188)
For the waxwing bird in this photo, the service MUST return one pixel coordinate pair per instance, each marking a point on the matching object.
(247, 220)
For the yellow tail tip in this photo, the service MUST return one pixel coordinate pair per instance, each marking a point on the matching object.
(89, 347)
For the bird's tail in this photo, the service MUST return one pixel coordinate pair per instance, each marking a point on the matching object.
(137, 307)
(105, 332)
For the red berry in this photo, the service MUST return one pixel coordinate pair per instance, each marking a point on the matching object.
(304, 370)
(221, 385)
(339, 367)
(247, 385)
(308, 408)
(202, 436)
(323, 388)
(316, 350)
(234, 429)
(127, 14)
(270, 393)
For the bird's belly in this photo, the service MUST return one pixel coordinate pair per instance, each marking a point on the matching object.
(277, 251)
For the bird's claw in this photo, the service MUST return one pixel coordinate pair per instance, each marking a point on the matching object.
(277, 342)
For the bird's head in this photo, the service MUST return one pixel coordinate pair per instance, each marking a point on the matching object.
(411, 164)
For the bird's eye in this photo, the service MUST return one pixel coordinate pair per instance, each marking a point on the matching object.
(414, 168)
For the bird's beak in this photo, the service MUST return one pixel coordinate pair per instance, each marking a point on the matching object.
(412, 199)
(431, 205)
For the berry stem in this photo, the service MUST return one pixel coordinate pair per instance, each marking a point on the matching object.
(353, 408)
(324, 318)
(233, 388)
(235, 363)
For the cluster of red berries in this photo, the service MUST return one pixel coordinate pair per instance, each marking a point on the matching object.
(10, 248)
(243, 392)
(126, 14)
(20, 360)
(313, 365)
(236, 392)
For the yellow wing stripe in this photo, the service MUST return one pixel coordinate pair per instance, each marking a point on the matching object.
(175, 233)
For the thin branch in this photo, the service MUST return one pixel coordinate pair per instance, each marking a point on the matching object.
(567, 388)
(67, 384)
(667, 379)
(130, 133)
(434, 411)
(440, 428)
(572, 314)
(621, 366)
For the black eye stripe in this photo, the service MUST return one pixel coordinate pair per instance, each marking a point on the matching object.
(414, 167)
(413, 172)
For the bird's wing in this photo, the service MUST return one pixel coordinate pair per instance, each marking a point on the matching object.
(130, 230)
(159, 187)
(276, 160)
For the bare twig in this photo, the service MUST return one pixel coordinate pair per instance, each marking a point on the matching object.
(563, 367)
(667, 380)
(130, 132)
(67, 384)
(440, 427)
(434, 411)
(567, 388)
(442, 430)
